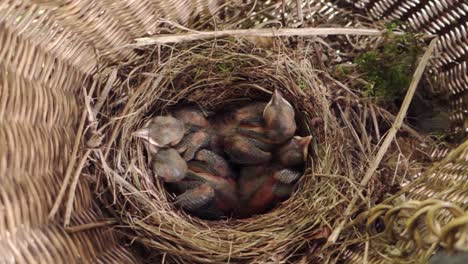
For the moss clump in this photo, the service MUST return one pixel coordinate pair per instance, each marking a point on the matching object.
(388, 68)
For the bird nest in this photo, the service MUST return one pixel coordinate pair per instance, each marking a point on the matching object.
(223, 74)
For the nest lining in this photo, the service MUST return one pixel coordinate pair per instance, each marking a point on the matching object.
(220, 75)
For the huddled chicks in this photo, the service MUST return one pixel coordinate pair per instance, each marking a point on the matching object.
(239, 164)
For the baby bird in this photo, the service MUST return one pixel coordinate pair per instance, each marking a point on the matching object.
(195, 198)
(261, 191)
(194, 118)
(226, 199)
(279, 119)
(249, 181)
(184, 185)
(192, 142)
(217, 164)
(294, 152)
(246, 150)
(169, 165)
(162, 131)
(249, 114)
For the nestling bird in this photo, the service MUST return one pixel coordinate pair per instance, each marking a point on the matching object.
(194, 118)
(217, 164)
(184, 185)
(195, 198)
(200, 201)
(240, 131)
(261, 191)
(225, 190)
(279, 119)
(169, 165)
(249, 114)
(249, 181)
(246, 150)
(253, 177)
(294, 152)
(254, 131)
(192, 142)
(162, 131)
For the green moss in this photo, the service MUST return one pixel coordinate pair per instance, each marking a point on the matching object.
(302, 83)
(342, 70)
(389, 68)
(225, 68)
(198, 72)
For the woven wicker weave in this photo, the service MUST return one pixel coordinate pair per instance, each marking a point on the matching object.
(48, 51)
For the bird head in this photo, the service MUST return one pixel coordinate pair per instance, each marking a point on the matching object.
(277, 100)
(279, 118)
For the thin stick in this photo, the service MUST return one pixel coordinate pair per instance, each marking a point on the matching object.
(105, 91)
(71, 164)
(283, 12)
(389, 137)
(300, 13)
(404, 126)
(84, 227)
(269, 32)
(366, 250)
(374, 121)
(74, 184)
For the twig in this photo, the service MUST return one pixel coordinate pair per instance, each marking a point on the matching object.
(283, 12)
(405, 127)
(92, 119)
(84, 227)
(74, 184)
(71, 164)
(389, 137)
(353, 132)
(374, 121)
(319, 57)
(366, 250)
(300, 13)
(269, 32)
(105, 91)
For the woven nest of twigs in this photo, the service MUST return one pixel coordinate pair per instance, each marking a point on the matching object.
(223, 74)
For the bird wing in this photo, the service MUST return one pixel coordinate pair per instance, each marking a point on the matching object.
(243, 150)
(195, 198)
(199, 167)
(287, 176)
(215, 163)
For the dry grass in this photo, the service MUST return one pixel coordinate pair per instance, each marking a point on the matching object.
(219, 75)
(355, 163)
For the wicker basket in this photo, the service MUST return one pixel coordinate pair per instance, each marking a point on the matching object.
(52, 49)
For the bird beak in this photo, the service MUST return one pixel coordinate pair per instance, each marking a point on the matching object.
(142, 133)
(208, 113)
(305, 141)
(276, 98)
